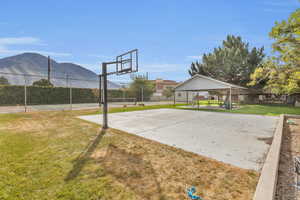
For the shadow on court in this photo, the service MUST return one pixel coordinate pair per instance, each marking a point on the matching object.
(84, 156)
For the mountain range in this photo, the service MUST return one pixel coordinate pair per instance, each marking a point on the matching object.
(34, 66)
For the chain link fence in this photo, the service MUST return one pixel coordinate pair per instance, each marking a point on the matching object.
(21, 92)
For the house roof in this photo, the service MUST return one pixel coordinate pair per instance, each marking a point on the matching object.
(204, 83)
(164, 81)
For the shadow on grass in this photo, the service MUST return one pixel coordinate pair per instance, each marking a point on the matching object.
(134, 172)
(127, 168)
(84, 156)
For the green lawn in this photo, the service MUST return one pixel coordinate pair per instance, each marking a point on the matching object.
(268, 109)
(272, 110)
(244, 109)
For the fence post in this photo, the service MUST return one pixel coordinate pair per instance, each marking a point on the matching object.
(25, 94)
(70, 95)
(142, 94)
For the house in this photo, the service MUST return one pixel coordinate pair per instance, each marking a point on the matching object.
(160, 85)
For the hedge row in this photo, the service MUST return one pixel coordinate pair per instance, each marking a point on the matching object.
(14, 95)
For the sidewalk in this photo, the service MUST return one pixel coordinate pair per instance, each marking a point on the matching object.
(81, 106)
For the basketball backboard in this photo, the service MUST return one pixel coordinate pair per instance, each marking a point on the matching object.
(127, 62)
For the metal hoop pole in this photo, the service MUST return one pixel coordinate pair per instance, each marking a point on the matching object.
(104, 74)
(100, 90)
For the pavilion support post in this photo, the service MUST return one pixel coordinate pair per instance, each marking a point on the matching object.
(197, 99)
(174, 97)
(187, 97)
(238, 97)
(230, 99)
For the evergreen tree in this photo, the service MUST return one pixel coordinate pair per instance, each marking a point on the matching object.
(43, 83)
(3, 81)
(232, 62)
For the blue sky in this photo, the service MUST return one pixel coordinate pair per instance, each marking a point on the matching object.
(169, 34)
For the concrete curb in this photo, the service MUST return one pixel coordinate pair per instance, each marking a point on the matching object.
(266, 187)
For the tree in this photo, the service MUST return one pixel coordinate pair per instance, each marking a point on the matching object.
(3, 81)
(168, 92)
(232, 62)
(281, 73)
(42, 83)
(287, 39)
(279, 78)
(140, 86)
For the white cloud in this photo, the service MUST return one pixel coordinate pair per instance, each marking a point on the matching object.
(161, 68)
(286, 3)
(50, 53)
(6, 42)
(280, 6)
(143, 68)
(193, 57)
(19, 40)
(100, 56)
(276, 10)
(11, 52)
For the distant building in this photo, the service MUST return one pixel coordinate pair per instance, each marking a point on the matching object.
(161, 85)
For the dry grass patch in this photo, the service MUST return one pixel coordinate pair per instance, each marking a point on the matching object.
(168, 170)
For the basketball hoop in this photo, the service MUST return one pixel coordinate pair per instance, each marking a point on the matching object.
(125, 63)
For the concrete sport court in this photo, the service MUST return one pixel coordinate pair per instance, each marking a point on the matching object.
(237, 139)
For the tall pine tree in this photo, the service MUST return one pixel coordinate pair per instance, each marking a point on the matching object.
(232, 62)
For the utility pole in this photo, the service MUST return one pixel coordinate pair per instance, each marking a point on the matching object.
(67, 80)
(49, 68)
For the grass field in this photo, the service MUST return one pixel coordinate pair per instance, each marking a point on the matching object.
(271, 110)
(258, 109)
(210, 102)
(54, 155)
